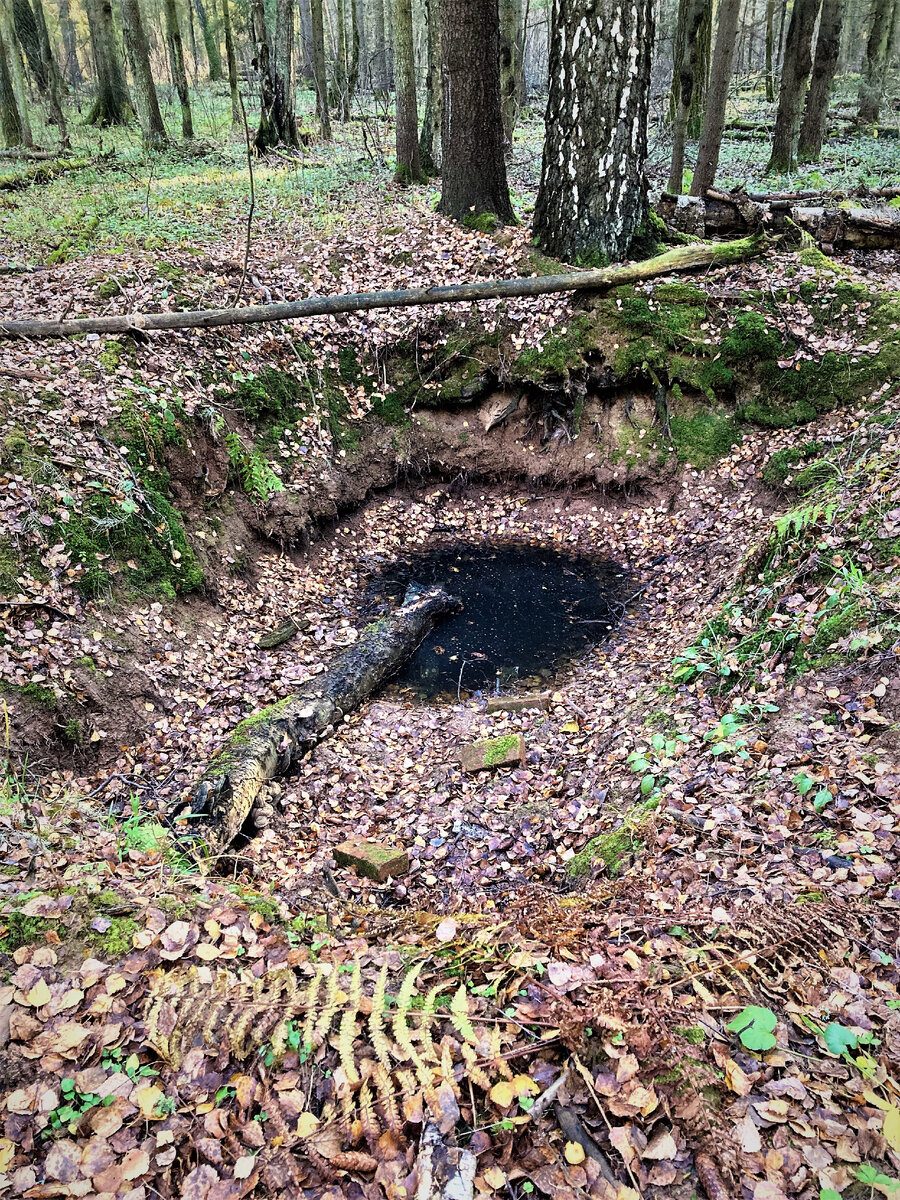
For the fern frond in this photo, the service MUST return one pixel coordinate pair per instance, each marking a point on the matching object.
(312, 996)
(459, 1016)
(497, 1059)
(377, 1035)
(473, 1068)
(367, 1115)
(386, 1096)
(348, 1026)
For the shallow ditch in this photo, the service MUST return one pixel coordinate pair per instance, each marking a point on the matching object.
(528, 613)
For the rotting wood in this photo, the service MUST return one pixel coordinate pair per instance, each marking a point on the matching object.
(721, 215)
(681, 258)
(283, 633)
(269, 742)
(444, 1171)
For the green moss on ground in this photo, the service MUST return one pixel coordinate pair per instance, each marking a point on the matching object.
(704, 437)
(499, 748)
(115, 942)
(560, 352)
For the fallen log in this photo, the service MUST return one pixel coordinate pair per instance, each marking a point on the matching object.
(681, 258)
(269, 742)
(833, 228)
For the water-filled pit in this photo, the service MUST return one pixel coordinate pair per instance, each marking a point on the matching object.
(528, 613)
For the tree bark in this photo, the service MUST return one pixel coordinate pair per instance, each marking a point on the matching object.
(152, 127)
(794, 81)
(682, 258)
(237, 120)
(379, 59)
(815, 118)
(284, 113)
(320, 76)
(176, 62)
(210, 41)
(16, 70)
(54, 84)
(770, 46)
(717, 97)
(510, 13)
(356, 37)
(10, 121)
(593, 193)
(691, 14)
(268, 743)
(306, 58)
(409, 167)
(71, 65)
(430, 138)
(112, 105)
(474, 167)
(870, 85)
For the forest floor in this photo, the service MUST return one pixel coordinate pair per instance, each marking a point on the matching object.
(680, 913)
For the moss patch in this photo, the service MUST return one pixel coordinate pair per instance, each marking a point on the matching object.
(704, 437)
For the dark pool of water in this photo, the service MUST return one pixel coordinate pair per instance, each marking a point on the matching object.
(528, 612)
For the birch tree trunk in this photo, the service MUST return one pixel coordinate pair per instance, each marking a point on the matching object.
(409, 167)
(870, 84)
(691, 14)
(237, 120)
(794, 81)
(152, 128)
(716, 99)
(593, 193)
(828, 46)
(430, 139)
(112, 105)
(176, 62)
(320, 77)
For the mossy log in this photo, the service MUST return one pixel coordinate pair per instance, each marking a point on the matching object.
(682, 258)
(720, 215)
(266, 744)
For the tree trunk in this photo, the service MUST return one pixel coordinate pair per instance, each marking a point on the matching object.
(828, 45)
(71, 65)
(176, 61)
(510, 12)
(10, 121)
(339, 76)
(53, 83)
(691, 14)
(112, 105)
(474, 167)
(388, 9)
(267, 132)
(320, 76)
(409, 167)
(283, 112)
(870, 85)
(268, 743)
(210, 41)
(152, 127)
(593, 193)
(16, 70)
(430, 139)
(192, 35)
(794, 80)
(306, 58)
(714, 118)
(29, 39)
(356, 39)
(237, 120)
(682, 258)
(770, 46)
(379, 58)
(701, 73)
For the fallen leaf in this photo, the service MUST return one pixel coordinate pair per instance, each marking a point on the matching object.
(574, 1153)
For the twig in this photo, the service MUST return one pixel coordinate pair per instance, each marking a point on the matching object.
(240, 290)
(20, 373)
(459, 682)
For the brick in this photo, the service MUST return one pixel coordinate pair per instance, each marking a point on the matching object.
(490, 753)
(373, 860)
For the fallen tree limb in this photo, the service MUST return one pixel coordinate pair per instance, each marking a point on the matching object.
(720, 215)
(268, 743)
(681, 258)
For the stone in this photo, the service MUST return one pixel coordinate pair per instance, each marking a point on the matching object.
(490, 753)
(518, 703)
(373, 860)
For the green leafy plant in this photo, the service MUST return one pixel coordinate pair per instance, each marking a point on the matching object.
(74, 1105)
(754, 1026)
